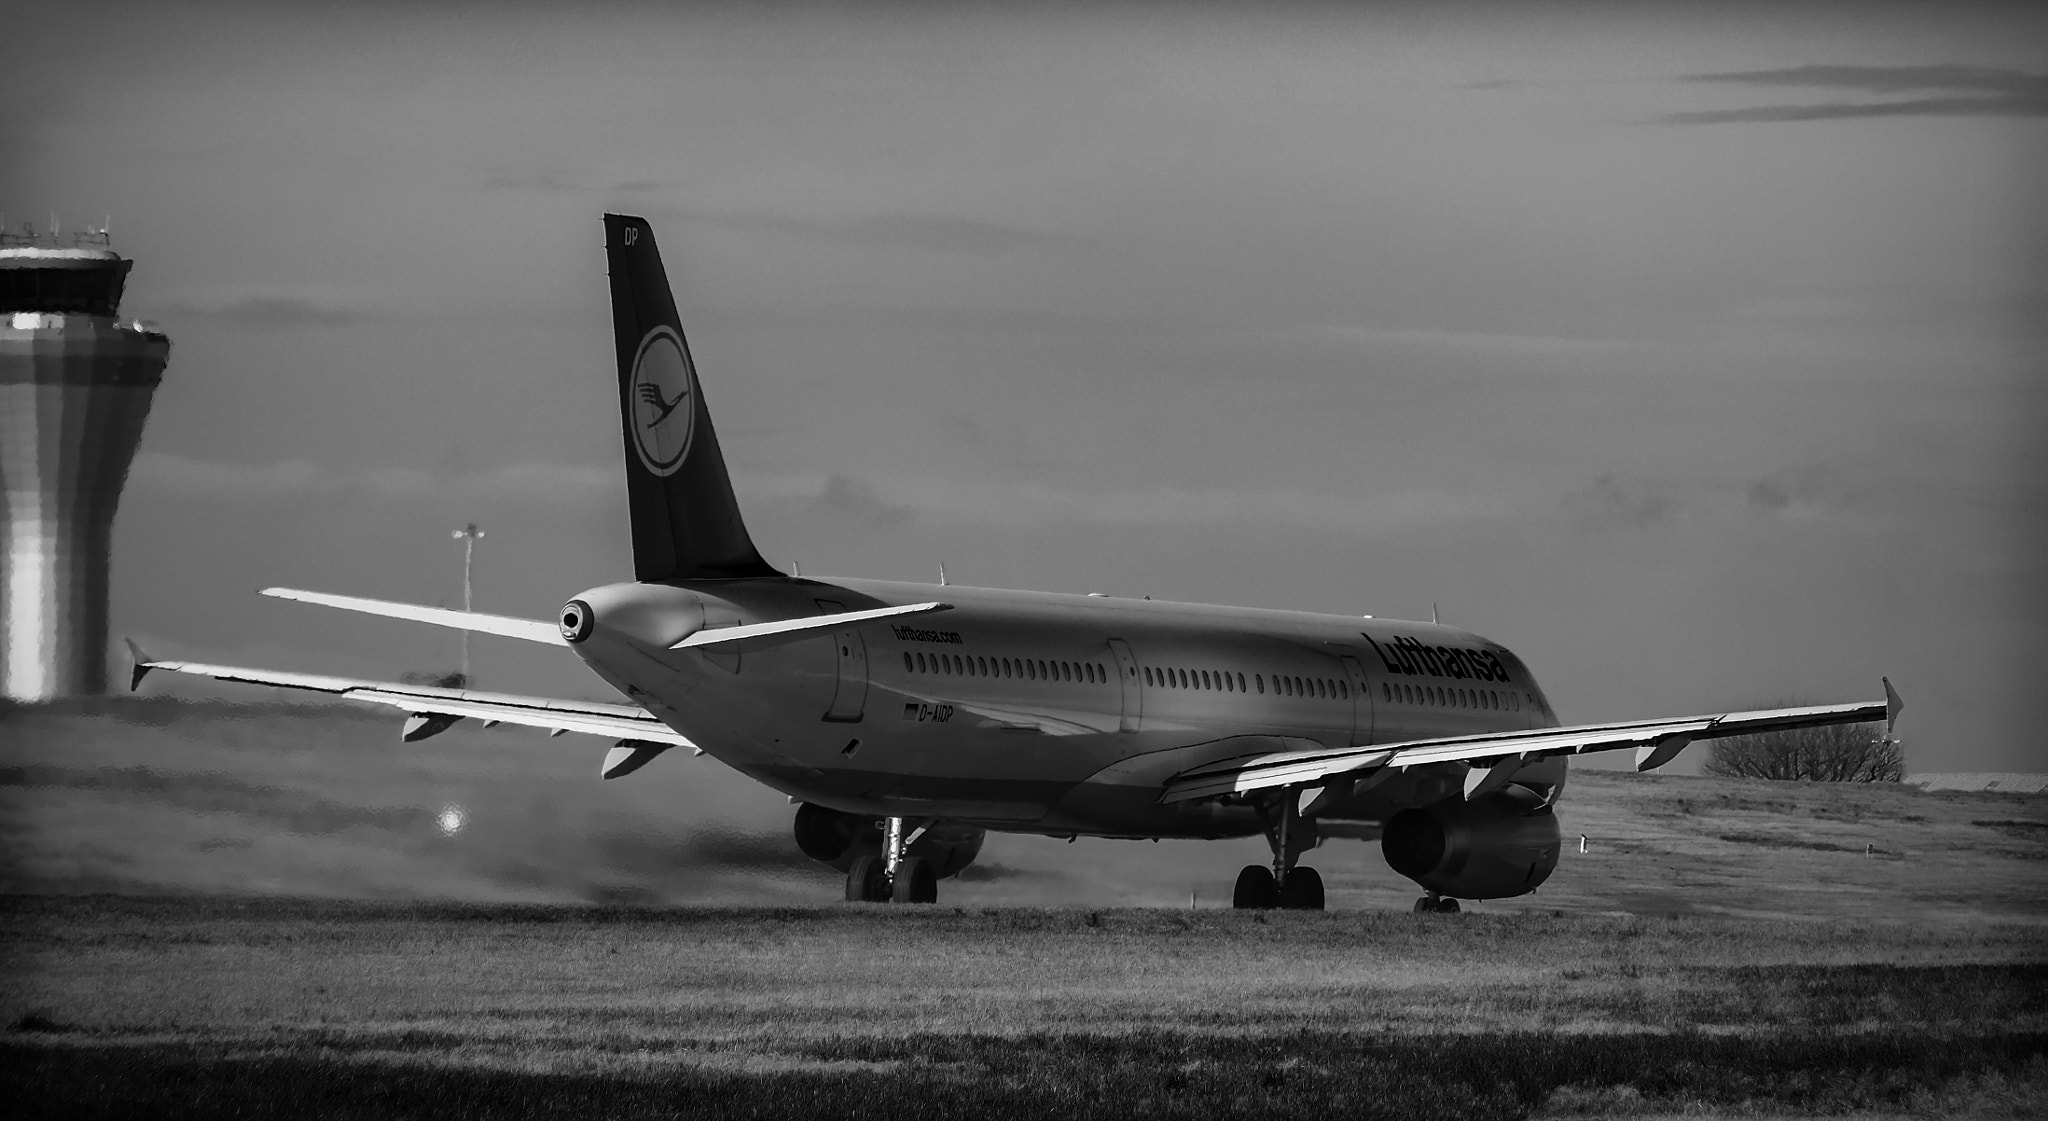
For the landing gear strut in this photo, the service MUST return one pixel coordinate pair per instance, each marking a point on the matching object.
(893, 876)
(1283, 885)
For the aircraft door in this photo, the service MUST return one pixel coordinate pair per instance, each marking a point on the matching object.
(1133, 687)
(850, 690)
(1361, 700)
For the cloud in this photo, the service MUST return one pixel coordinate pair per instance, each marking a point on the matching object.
(274, 311)
(1888, 79)
(1965, 91)
(847, 499)
(937, 233)
(1010, 503)
(1489, 341)
(184, 477)
(1608, 502)
(1798, 493)
(537, 181)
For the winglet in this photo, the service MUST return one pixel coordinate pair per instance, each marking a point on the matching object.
(141, 664)
(1893, 705)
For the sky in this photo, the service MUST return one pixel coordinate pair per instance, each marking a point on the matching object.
(1697, 356)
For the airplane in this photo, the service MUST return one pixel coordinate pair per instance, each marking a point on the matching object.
(906, 721)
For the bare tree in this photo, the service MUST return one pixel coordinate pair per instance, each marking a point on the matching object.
(1834, 753)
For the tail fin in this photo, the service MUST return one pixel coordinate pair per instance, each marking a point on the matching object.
(686, 521)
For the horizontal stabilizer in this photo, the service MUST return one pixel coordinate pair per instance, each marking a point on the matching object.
(787, 630)
(433, 708)
(530, 630)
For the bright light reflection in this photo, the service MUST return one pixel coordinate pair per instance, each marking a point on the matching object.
(452, 819)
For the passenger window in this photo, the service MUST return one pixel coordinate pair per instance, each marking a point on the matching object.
(1203, 677)
(1066, 671)
(1259, 680)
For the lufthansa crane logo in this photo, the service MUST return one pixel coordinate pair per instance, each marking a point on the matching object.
(662, 408)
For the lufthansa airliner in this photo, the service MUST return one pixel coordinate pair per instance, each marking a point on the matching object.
(907, 720)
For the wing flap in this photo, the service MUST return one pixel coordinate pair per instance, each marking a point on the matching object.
(1657, 742)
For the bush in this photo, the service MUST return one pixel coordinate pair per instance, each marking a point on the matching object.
(1834, 753)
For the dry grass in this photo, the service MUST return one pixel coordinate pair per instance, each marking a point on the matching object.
(1017, 1012)
(1722, 948)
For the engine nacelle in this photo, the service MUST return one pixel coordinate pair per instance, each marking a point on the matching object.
(1502, 845)
(838, 838)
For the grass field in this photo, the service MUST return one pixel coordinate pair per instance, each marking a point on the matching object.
(255, 910)
(153, 795)
(201, 1007)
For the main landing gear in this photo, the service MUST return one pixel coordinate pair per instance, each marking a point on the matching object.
(1284, 885)
(1434, 904)
(893, 877)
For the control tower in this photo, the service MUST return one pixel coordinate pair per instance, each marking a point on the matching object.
(75, 387)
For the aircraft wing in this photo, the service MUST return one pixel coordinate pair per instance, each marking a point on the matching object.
(1496, 756)
(434, 708)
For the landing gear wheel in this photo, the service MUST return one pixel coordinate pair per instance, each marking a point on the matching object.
(1255, 890)
(1425, 906)
(916, 881)
(867, 881)
(1446, 906)
(1302, 890)
(1436, 905)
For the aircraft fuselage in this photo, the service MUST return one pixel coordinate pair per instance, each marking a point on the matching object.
(1045, 712)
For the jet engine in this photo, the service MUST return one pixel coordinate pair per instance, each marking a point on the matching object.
(1504, 844)
(838, 838)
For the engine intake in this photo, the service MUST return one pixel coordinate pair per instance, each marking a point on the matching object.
(838, 838)
(1502, 845)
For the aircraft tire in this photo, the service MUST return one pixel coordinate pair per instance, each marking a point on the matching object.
(1446, 906)
(1425, 906)
(1303, 890)
(1255, 890)
(916, 881)
(866, 881)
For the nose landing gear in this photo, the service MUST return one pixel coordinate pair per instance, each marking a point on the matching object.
(893, 877)
(1434, 904)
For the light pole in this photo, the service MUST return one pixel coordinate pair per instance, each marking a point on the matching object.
(468, 536)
